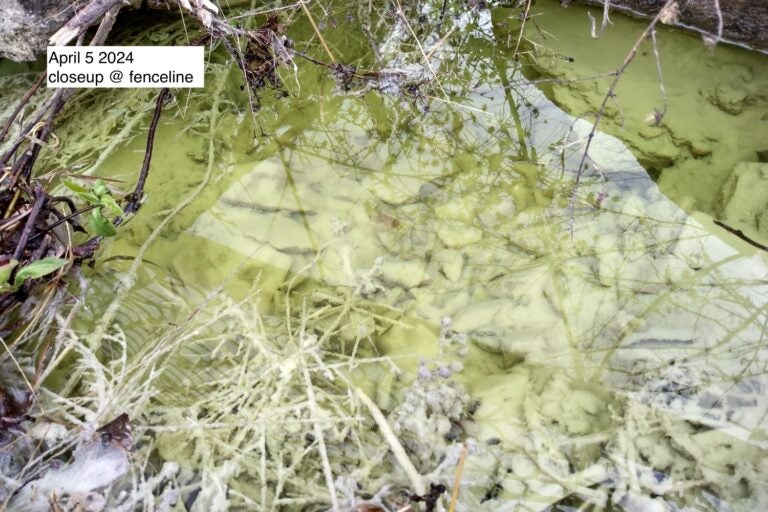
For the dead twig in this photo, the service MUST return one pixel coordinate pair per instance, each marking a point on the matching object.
(606, 20)
(22, 168)
(134, 198)
(522, 27)
(657, 115)
(36, 117)
(417, 480)
(663, 14)
(37, 206)
(21, 105)
(107, 22)
(739, 233)
(317, 31)
(457, 479)
(82, 20)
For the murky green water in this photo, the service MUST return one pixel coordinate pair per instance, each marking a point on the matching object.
(616, 352)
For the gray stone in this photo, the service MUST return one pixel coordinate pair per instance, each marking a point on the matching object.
(26, 24)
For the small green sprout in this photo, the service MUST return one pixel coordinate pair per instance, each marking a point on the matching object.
(99, 195)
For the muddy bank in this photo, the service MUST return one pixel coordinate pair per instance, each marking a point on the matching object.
(743, 21)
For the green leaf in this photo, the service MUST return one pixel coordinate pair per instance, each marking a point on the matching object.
(74, 187)
(100, 224)
(110, 203)
(82, 192)
(39, 268)
(100, 189)
(5, 271)
(88, 197)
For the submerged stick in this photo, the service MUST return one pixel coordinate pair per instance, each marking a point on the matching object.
(135, 197)
(23, 167)
(457, 479)
(37, 207)
(21, 105)
(317, 31)
(608, 95)
(327, 471)
(739, 233)
(417, 481)
(36, 117)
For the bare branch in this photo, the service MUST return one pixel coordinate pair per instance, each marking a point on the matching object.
(82, 20)
(669, 9)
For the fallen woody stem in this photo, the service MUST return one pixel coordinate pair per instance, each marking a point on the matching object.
(608, 95)
(134, 199)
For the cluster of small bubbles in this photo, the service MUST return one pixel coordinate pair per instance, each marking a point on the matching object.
(424, 372)
(450, 337)
(444, 371)
(445, 333)
(462, 340)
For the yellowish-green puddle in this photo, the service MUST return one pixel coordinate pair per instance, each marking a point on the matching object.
(617, 352)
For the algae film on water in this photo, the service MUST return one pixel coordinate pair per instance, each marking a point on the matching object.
(393, 256)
